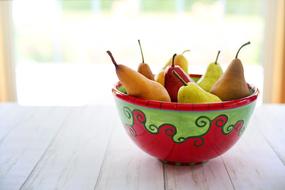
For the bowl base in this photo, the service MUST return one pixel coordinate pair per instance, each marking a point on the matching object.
(182, 163)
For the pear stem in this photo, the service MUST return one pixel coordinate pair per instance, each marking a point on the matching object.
(179, 77)
(185, 51)
(216, 61)
(141, 51)
(112, 58)
(173, 59)
(247, 43)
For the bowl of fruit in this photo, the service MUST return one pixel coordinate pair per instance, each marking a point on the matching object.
(184, 119)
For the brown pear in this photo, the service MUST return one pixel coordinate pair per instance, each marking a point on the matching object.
(232, 85)
(138, 85)
(144, 68)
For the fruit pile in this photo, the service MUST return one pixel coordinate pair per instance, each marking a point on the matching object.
(173, 83)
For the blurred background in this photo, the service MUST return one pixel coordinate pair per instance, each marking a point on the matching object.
(53, 52)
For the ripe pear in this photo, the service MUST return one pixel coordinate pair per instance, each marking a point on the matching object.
(143, 67)
(160, 77)
(171, 83)
(138, 85)
(191, 92)
(213, 73)
(180, 60)
(232, 84)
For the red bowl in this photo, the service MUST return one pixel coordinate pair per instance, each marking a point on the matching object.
(182, 134)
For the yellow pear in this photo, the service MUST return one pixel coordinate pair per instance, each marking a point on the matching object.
(180, 60)
(192, 93)
(144, 68)
(160, 77)
(138, 85)
(232, 85)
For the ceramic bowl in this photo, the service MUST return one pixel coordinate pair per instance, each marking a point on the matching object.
(184, 134)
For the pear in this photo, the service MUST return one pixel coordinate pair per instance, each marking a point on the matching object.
(122, 89)
(160, 77)
(232, 84)
(138, 85)
(143, 67)
(180, 60)
(191, 92)
(213, 73)
(171, 83)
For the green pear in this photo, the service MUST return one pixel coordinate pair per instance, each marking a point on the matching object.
(213, 73)
(191, 92)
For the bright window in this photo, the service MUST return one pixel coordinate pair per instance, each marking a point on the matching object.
(60, 45)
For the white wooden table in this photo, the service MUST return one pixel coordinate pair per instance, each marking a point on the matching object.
(87, 148)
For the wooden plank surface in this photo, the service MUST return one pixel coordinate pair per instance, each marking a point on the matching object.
(73, 160)
(126, 167)
(252, 164)
(210, 175)
(11, 116)
(77, 148)
(271, 119)
(24, 146)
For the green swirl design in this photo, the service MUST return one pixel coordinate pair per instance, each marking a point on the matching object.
(180, 139)
(227, 129)
(203, 121)
(198, 141)
(183, 130)
(153, 128)
(128, 112)
(128, 115)
(200, 122)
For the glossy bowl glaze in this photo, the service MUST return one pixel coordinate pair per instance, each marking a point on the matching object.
(184, 134)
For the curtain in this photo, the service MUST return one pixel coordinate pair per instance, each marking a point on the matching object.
(282, 91)
(7, 76)
(274, 52)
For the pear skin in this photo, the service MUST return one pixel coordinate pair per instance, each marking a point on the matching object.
(193, 93)
(160, 77)
(144, 68)
(138, 85)
(171, 82)
(213, 73)
(180, 61)
(232, 84)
